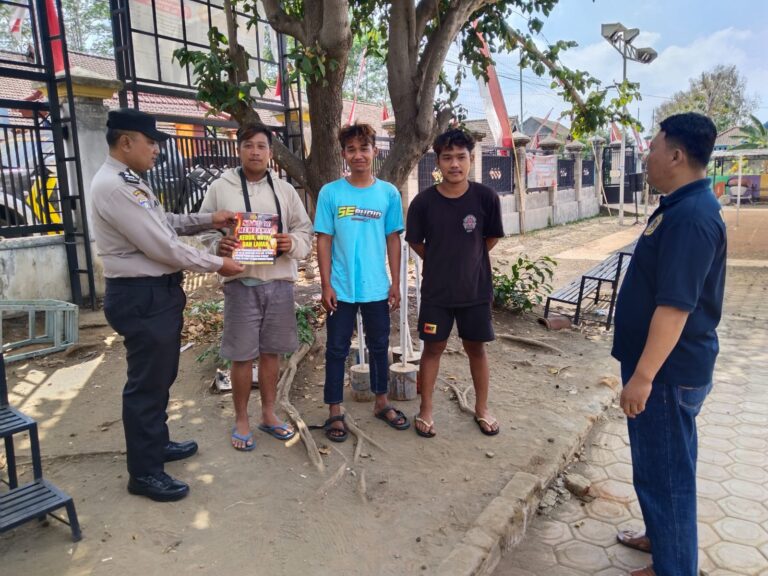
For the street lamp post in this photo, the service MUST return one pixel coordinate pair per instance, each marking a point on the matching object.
(621, 39)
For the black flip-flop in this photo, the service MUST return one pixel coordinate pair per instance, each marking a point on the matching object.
(335, 434)
(489, 423)
(382, 415)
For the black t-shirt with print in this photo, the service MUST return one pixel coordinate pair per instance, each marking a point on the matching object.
(457, 268)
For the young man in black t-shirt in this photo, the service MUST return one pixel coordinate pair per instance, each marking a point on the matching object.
(453, 226)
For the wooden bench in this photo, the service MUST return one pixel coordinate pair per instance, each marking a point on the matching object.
(609, 271)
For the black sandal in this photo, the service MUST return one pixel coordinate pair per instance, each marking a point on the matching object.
(335, 434)
(382, 415)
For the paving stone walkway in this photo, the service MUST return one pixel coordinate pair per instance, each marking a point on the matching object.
(576, 539)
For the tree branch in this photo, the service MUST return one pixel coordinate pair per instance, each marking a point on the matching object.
(284, 23)
(425, 11)
(335, 35)
(431, 63)
(531, 48)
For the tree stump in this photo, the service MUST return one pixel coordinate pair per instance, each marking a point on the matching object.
(402, 381)
(412, 358)
(352, 358)
(360, 379)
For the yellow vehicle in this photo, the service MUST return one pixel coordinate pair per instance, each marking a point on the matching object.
(45, 210)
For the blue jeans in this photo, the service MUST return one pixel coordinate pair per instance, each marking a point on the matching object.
(663, 442)
(340, 326)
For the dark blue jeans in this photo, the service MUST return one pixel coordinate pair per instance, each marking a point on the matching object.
(663, 442)
(340, 326)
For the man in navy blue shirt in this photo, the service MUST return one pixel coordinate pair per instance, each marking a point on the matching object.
(666, 315)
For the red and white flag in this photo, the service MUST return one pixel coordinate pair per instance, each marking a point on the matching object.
(639, 140)
(18, 16)
(615, 133)
(352, 119)
(493, 99)
(535, 140)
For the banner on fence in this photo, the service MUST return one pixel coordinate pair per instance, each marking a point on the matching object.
(543, 171)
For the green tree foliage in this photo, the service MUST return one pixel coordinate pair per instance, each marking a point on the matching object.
(413, 37)
(86, 23)
(720, 93)
(373, 83)
(755, 135)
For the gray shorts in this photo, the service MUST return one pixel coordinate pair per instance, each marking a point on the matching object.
(258, 319)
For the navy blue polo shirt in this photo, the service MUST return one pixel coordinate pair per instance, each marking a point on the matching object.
(679, 261)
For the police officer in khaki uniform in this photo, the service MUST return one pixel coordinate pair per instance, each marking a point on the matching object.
(143, 259)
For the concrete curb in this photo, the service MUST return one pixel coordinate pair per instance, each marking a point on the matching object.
(502, 525)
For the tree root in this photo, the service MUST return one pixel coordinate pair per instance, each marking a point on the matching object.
(283, 397)
(358, 450)
(333, 480)
(354, 429)
(68, 457)
(362, 489)
(461, 395)
(531, 342)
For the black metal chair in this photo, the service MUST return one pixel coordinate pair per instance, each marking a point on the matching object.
(39, 497)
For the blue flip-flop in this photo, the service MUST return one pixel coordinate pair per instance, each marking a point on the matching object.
(273, 431)
(243, 438)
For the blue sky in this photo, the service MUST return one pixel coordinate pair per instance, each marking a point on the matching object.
(690, 37)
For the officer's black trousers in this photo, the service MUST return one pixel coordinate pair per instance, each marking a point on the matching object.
(147, 312)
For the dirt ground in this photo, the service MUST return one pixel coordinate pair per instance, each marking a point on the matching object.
(399, 510)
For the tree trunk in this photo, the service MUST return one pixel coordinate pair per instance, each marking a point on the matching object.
(325, 108)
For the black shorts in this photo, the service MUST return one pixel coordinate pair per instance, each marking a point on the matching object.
(474, 322)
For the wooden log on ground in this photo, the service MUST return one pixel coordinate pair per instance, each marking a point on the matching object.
(360, 379)
(402, 381)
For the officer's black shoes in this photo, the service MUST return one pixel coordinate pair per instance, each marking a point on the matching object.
(179, 450)
(159, 487)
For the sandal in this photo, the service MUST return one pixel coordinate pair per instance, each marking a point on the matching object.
(245, 438)
(635, 540)
(382, 415)
(430, 433)
(335, 434)
(275, 431)
(490, 424)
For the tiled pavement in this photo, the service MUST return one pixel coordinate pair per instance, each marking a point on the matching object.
(580, 539)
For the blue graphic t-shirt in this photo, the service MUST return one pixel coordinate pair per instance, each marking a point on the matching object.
(359, 219)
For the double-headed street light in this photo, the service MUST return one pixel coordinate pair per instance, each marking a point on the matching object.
(621, 37)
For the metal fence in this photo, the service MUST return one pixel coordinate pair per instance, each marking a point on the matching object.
(186, 167)
(498, 170)
(565, 176)
(429, 174)
(29, 189)
(588, 172)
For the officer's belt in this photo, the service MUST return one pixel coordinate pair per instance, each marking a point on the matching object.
(174, 279)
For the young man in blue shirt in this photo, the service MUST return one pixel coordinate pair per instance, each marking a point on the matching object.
(667, 311)
(358, 223)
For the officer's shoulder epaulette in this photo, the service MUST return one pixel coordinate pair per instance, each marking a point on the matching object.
(130, 177)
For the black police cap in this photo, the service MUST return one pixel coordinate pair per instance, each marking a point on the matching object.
(136, 121)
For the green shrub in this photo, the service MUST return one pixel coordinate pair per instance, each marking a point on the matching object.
(305, 317)
(526, 285)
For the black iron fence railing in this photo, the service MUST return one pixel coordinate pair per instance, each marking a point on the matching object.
(428, 174)
(498, 170)
(588, 172)
(565, 176)
(29, 187)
